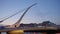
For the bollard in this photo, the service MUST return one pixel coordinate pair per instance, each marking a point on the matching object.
(15, 32)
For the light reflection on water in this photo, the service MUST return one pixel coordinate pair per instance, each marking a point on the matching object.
(25, 33)
(32, 33)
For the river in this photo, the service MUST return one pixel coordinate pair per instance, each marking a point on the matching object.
(26, 33)
(30, 33)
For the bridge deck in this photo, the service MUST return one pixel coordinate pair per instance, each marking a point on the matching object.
(31, 29)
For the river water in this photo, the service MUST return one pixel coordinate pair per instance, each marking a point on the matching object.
(30, 33)
(26, 33)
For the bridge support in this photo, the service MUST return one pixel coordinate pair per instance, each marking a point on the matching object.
(15, 32)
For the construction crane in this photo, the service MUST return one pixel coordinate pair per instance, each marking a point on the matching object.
(17, 24)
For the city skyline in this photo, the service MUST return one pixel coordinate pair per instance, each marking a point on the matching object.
(45, 10)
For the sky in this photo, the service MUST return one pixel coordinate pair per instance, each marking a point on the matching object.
(45, 10)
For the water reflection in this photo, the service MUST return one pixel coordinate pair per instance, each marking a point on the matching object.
(30, 33)
(33, 33)
(37, 33)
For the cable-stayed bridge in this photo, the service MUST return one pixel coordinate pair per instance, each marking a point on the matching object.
(15, 29)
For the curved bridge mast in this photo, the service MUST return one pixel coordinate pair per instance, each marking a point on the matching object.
(17, 24)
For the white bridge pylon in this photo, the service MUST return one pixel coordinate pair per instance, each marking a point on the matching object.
(17, 24)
